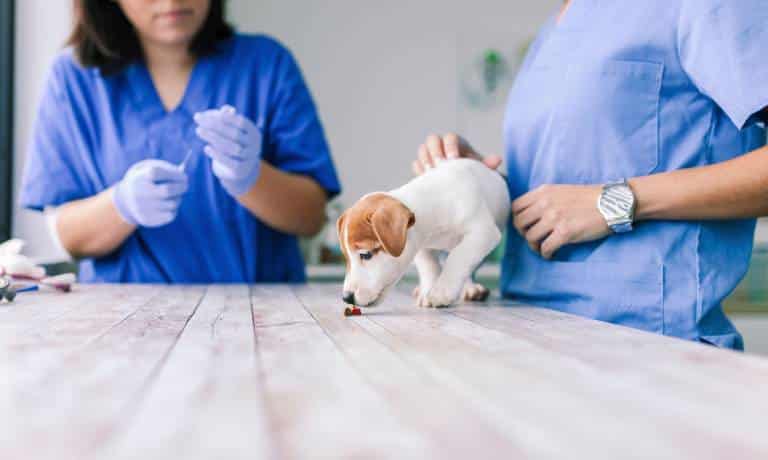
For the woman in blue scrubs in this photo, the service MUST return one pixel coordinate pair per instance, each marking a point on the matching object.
(635, 149)
(176, 151)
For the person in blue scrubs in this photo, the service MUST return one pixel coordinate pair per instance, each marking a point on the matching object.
(665, 98)
(175, 151)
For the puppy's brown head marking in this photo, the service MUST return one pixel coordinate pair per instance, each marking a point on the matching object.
(377, 222)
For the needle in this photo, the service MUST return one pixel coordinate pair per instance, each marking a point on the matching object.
(183, 164)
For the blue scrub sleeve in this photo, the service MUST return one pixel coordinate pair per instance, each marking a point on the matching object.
(722, 49)
(295, 134)
(53, 174)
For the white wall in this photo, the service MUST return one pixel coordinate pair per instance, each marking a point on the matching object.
(384, 75)
(42, 27)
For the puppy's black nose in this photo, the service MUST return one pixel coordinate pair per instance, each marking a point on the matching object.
(348, 297)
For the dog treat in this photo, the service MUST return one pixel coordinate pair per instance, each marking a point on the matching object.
(352, 311)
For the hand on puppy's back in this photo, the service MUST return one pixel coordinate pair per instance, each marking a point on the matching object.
(449, 146)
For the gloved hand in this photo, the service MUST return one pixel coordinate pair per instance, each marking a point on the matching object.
(150, 193)
(234, 145)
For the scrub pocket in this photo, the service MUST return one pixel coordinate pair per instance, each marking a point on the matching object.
(627, 294)
(607, 123)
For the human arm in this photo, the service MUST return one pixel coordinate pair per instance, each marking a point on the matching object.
(91, 227)
(553, 216)
(733, 189)
(291, 203)
(149, 195)
(283, 170)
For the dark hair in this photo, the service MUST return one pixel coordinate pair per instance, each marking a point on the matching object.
(103, 37)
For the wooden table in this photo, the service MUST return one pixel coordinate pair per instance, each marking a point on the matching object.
(163, 372)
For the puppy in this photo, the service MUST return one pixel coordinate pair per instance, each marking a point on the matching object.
(460, 206)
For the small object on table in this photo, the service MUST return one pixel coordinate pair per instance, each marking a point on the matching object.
(352, 311)
(10, 294)
(61, 283)
(5, 287)
(27, 288)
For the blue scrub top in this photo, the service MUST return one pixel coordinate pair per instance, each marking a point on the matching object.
(625, 89)
(90, 129)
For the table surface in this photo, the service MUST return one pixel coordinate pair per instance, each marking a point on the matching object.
(272, 371)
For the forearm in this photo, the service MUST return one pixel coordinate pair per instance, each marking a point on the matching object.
(287, 202)
(91, 227)
(733, 189)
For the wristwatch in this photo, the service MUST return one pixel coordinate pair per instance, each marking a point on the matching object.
(617, 204)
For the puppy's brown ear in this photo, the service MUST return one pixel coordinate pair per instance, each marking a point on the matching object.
(340, 232)
(340, 224)
(390, 223)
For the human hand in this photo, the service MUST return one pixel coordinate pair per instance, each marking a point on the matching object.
(553, 216)
(234, 146)
(150, 193)
(450, 146)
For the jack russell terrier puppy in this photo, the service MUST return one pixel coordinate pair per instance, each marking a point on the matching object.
(460, 206)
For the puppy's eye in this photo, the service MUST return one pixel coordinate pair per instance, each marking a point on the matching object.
(366, 255)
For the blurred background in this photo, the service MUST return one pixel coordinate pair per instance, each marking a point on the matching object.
(384, 75)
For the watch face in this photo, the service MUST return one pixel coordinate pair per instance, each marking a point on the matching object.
(617, 203)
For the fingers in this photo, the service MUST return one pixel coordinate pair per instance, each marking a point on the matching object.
(212, 113)
(170, 190)
(226, 116)
(526, 219)
(435, 148)
(527, 200)
(240, 122)
(228, 162)
(224, 129)
(451, 146)
(433, 151)
(220, 143)
(448, 147)
(417, 169)
(424, 158)
(167, 207)
(162, 171)
(538, 233)
(224, 172)
(552, 244)
(493, 161)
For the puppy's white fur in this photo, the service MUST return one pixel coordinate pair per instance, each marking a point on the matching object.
(460, 207)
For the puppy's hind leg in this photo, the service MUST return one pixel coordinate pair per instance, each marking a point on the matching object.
(474, 291)
(476, 244)
(428, 265)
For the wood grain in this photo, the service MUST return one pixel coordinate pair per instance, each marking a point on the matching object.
(77, 405)
(207, 398)
(277, 371)
(450, 427)
(321, 406)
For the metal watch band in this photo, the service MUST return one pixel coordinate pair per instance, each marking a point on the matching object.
(616, 203)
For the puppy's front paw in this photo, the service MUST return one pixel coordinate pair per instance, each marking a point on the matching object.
(439, 297)
(422, 300)
(475, 292)
(420, 294)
